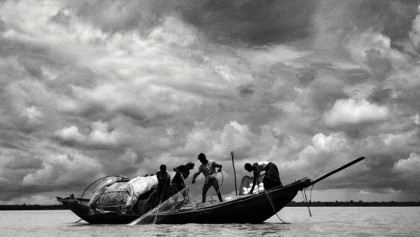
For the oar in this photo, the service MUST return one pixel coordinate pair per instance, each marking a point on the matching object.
(335, 171)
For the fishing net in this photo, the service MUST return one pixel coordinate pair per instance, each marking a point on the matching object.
(102, 186)
(179, 201)
(246, 185)
(114, 198)
(186, 199)
(116, 194)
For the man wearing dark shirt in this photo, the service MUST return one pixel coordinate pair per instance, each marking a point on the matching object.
(178, 181)
(271, 178)
(164, 184)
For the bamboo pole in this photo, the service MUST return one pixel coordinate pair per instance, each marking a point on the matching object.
(234, 172)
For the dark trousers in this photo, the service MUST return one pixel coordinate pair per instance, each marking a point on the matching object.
(272, 177)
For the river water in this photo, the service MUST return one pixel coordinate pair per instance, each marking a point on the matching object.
(325, 221)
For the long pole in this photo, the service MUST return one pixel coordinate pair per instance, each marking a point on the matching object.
(335, 171)
(234, 172)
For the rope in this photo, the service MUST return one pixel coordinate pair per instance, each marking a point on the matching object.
(310, 196)
(305, 198)
(274, 209)
(221, 183)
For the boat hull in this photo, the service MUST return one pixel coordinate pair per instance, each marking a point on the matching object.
(247, 209)
(254, 208)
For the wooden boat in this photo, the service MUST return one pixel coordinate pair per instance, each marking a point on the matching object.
(253, 208)
(80, 208)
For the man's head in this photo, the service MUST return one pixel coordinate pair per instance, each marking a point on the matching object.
(248, 167)
(162, 168)
(190, 165)
(202, 158)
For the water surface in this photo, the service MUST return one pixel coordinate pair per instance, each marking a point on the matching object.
(325, 221)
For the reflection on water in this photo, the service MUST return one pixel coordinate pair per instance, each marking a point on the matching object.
(326, 221)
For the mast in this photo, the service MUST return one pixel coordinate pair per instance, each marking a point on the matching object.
(234, 172)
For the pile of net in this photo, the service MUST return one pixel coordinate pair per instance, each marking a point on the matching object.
(120, 194)
(246, 186)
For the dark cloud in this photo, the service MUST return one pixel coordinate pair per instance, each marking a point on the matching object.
(396, 17)
(381, 96)
(337, 21)
(356, 75)
(246, 90)
(62, 17)
(408, 100)
(255, 22)
(120, 16)
(2, 25)
(306, 76)
(94, 88)
(24, 162)
(249, 21)
(378, 63)
(73, 76)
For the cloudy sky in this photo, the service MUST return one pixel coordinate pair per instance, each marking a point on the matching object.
(90, 88)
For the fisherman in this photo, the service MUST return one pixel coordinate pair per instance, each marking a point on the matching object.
(164, 184)
(178, 181)
(208, 168)
(271, 178)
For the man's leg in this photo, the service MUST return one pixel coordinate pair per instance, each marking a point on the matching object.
(216, 186)
(206, 187)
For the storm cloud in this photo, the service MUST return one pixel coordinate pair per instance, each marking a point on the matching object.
(95, 88)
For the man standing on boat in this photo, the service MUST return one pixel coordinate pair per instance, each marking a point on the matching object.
(178, 181)
(208, 168)
(271, 178)
(163, 190)
(164, 184)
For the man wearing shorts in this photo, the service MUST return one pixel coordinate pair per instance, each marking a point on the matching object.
(208, 168)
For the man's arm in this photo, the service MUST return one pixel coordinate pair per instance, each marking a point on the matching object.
(195, 175)
(256, 177)
(217, 165)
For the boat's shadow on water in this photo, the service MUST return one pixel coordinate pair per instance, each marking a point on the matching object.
(267, 228)
(264, 229)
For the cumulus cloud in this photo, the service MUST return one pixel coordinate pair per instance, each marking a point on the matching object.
(353, 112)
(62, 170)
(398, 140)
(33, 115)
(408, 167)
(101, 135)
(415, 32)
(234, 136)
(322, 150)
(70, 134)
